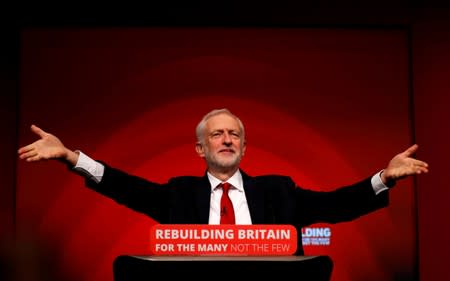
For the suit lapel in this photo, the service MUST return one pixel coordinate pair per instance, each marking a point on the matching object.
(203, 200)
(255, 199)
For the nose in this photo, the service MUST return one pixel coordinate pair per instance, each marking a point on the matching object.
(227, 138)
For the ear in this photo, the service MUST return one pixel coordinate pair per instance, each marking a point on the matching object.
(200, 150)
(244, 147)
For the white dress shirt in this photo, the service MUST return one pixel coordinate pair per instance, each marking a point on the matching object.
(237, 196)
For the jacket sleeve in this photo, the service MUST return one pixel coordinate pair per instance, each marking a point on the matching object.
(136, 193)
(343, 204)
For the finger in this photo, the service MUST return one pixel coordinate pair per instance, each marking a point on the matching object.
(25, 149)
(421, 164)
(33, 159)
(411, 150)
(420, 167)
(38, 131)
(28, 154)
(421, 170)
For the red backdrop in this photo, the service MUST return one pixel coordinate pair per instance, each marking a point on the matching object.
(327, 107)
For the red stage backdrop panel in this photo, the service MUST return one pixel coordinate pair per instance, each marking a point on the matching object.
(326, 106)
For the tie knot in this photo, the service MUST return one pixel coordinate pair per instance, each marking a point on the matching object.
(226, 186)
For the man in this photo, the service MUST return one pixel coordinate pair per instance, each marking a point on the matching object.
(255, 200)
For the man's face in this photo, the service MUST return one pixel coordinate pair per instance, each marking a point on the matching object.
(223, 144)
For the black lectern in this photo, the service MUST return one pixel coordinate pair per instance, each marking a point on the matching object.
(199, 268)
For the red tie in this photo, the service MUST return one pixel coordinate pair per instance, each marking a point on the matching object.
(226, 207)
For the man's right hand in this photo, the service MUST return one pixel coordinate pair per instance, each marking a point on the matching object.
(46, 148)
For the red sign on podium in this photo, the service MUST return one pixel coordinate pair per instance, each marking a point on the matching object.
(227, 240)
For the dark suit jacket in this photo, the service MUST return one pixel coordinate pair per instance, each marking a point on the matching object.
(272, 199)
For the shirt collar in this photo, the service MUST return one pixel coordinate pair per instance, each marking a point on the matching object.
(235, 180)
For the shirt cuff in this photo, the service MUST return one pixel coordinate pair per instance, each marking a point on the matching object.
(377, 184)
(89, 168)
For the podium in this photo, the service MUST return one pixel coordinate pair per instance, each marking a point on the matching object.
(199, 268)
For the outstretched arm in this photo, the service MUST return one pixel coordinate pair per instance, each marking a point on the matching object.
(46, 148)
(403, 165)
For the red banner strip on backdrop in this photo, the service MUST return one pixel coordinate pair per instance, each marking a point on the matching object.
(227, 240)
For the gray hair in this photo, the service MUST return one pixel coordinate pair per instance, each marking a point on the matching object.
(200, 130)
